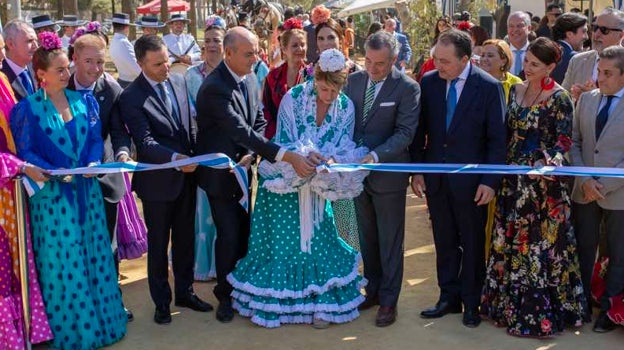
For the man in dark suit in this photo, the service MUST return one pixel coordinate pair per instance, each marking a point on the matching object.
(89, 78)
(230, 121)
(386, 115)
(569, 31)
(156, 110)
(21, 43)
(461, 121)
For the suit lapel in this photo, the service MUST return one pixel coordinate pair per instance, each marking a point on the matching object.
(386, 90)
(614, 117)
(157, 101)
(238, 95)
(181, 102)
(465, 99)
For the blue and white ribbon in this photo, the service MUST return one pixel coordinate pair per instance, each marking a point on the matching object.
(212, 160)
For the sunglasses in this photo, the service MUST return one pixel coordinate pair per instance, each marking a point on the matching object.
(604, 30)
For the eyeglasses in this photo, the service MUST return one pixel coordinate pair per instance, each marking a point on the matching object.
(604, 30)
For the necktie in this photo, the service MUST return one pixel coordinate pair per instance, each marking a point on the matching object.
(451, 102)
(369, 97)
(85, 91)
(603, 116)
(27, 82)
(164, 95)
(517, 62)
(243, 88)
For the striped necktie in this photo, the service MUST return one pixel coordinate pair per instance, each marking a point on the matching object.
(369, 97)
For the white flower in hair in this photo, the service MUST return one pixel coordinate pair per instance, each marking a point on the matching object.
(332, 60)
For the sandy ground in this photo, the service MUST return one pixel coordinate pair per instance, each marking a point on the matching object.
(195, 330)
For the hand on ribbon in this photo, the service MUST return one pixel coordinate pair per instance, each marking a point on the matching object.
(303, 166)
(244, 162)
(187, 168)
(36, 173)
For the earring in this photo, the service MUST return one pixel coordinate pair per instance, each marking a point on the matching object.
(547, 82)
(43, 85)
(502, 68)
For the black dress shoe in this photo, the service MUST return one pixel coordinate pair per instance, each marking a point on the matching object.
(368, 303)
(162, 315)
(129, 314)
(440, 309)
(225, 312)
(386, 315)
(471, 318)
(192, 301)
(603, 323)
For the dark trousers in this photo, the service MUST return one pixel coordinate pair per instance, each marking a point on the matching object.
(381, 222)
(162, 218)
(111, 223)
(459, 235)
(587, 220)
(233, 226)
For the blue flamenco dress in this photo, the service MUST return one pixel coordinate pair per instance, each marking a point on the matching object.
(297, 268)
(70, 239)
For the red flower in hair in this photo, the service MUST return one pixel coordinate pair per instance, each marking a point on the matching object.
(293, 23)
(320, 14)
(464, 25)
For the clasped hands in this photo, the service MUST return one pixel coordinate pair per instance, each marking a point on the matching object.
(483, 195)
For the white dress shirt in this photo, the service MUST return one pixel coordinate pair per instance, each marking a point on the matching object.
(522, 56)
(616, 99)
(461, 81)
(122, 54)
(65, 40)
(179, 44)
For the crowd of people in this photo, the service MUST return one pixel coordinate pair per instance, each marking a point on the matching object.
(520, 250)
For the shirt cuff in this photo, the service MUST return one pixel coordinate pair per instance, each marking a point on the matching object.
(120, 153)
(375, 156)
(173, 159)
(280, 154)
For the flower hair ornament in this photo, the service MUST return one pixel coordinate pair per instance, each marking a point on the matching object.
(216, 21)
(80, 31)
(293, 23)
(50, 41)
(91, 27)
(320, 14)
(332, 60)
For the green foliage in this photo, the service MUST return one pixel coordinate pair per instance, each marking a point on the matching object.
(421, 29)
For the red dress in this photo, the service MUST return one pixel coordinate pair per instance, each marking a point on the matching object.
(275, 87)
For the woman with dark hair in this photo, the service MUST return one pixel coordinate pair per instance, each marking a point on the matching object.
(297, 270)
(374, 28)
(478, 35)
(281, 79)
(58, 128)
(533, 285)
(442, 24)
(205, 230)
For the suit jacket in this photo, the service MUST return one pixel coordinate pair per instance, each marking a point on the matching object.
(157, 135)
(560, 70)
(16, 84)
(312, 50)
(390, 126)
(229, 124)
(477, 133)
(607, 151)
(405, 52)
(580, 69)
(114, 134)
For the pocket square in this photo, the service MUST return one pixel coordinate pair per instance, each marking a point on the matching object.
(386, 104)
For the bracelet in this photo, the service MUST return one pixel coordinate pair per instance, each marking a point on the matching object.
(22, 169)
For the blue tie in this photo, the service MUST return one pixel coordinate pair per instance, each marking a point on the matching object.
(164, 94)
(243, 88)
(26, 82)
(603, 116)
(517, 62)
(451, 102)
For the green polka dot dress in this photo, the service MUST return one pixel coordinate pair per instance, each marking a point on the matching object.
(279, 282)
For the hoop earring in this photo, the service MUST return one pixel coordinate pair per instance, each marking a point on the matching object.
(547, 83)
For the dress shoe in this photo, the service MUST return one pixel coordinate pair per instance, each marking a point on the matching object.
(368, 303)
(192, 301)
(162, 315)
(129, 314)
(603, 323)
(471, 318)
(225, 312)
(440, 309)
(386, 315)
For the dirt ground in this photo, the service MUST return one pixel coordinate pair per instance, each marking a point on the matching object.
(195, 330)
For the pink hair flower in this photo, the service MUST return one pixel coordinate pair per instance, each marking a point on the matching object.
(320, 14)
(50, 41)
(80, 31)
(94, 26)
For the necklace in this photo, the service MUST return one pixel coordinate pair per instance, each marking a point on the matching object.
(526, 92)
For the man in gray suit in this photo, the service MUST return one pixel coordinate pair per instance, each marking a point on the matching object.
(582, 73)
(386, 116)
(597, 142)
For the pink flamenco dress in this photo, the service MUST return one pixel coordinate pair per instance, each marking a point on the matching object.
(11, 315)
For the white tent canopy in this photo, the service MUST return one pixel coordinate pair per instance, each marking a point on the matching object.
(359, 6)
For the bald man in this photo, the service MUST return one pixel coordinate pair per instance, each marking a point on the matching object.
(405, 51)
(230, 121)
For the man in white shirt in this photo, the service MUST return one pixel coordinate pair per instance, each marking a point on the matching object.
(518, 28)
(21, 44)
(69, 25)
(122, 51)
(181, 46)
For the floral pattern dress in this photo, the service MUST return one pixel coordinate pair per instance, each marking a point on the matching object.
(533, 285)
(297, 268)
